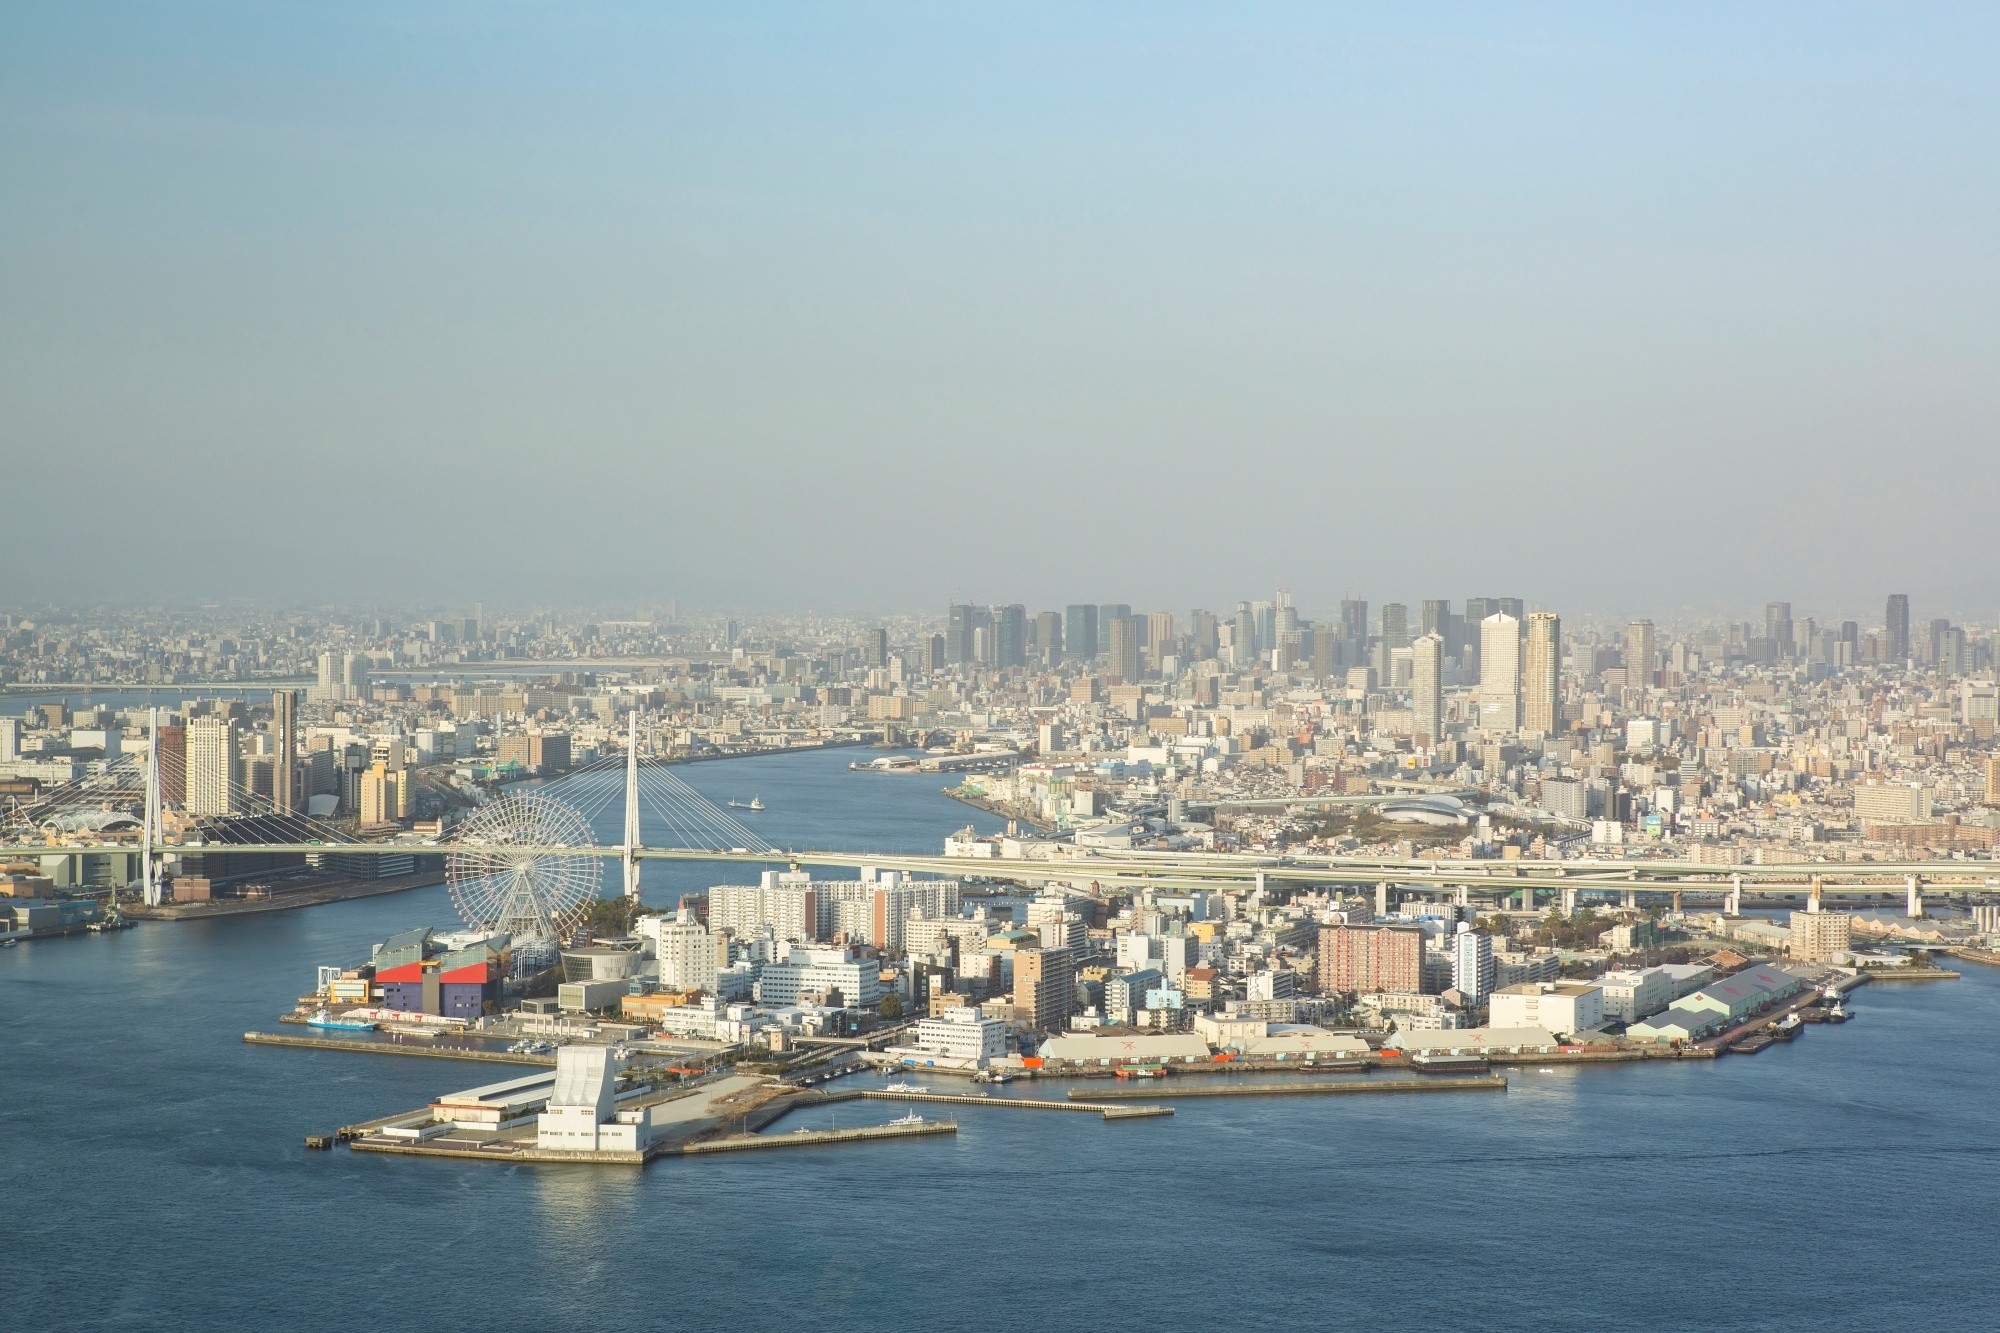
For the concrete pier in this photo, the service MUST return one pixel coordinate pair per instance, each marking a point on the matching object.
(811, 1138)
(425, 1049)
(1317, 1087)
(1077, 1102)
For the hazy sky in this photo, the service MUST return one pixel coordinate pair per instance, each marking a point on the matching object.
(1604, 306)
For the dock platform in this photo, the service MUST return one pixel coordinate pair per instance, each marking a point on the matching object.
(1312, 1088)
(304, 1042)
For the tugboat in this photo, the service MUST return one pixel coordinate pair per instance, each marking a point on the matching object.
(1838, 1013)
(1787, 1027)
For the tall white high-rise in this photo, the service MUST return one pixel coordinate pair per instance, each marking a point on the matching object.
(1500, 673)
(1472, 965)
(1541, 705)
(214, 767)
(1427, 687)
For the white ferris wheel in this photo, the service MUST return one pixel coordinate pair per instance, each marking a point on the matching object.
(524, 867)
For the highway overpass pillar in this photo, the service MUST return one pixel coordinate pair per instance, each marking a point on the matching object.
(1630, 899)
(1463, 897)
(1734, 907)
(1569, 902)
(1812, 900)
(1382, 899)
(1916, 903)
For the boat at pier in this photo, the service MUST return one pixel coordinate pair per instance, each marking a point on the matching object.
(322, 1018)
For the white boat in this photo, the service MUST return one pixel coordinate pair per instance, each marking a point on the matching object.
(754, 803)
(911, 1119)
(903, 1087)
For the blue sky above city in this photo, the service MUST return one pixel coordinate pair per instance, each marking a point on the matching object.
(882, 306)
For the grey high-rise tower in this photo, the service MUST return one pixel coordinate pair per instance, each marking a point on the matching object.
(1898, 623)
(1080, 631)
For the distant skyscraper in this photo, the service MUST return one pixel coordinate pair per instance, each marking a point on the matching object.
(1106, 613)
(1642, 655)
(1325, 652)
(878, 647)
(1898, 623)
(1778, 626)
(1476, 611)
(1010, 629)
(285, 743)
(1080, 632)
(1202, 635)
(965, 622)
(1541, 675)
(1500, 673)
(1354, 630)
(214, 767)
(1395, 625)
(1049, 636)
(1122, 649)
(1246, 634)
(1427, 687)
(1436, 619)
(1934, 647)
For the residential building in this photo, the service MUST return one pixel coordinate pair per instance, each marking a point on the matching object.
(1044, 988)
(1820, 937)
(1500, 674)
(1541, 676)
(1354, 959)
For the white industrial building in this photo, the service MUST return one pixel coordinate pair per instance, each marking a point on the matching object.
(1563, 1007)
(1631, 996)
(583, 1114)
(958, 1038)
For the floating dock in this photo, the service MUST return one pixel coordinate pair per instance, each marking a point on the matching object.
(1312, 1088)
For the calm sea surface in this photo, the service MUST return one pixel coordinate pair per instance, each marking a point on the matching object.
(152, 1174)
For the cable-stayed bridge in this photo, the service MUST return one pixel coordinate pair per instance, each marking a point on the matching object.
(122, 809)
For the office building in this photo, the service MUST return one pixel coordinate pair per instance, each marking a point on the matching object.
(1049, 637)
(1541, 675)
(960, 1037)
(1427, 688)
(1500, 674)
(1897, 622)
(1778, 626)
(1010, 636)
(1106, 613)
(1080, 632)
(1363, 959)
(1244, 643)
(878, 647)
(214, 767)
(1396, 625)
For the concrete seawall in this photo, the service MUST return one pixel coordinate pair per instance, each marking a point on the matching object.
(429, 1052)
(1314, 1088)
(810, 1138)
